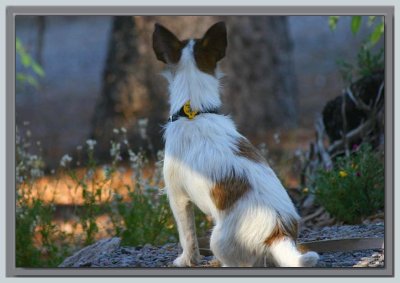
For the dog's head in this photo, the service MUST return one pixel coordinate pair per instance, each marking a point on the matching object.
(206, 51)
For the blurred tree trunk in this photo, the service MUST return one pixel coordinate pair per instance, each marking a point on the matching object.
(127, 93)
(261, 90)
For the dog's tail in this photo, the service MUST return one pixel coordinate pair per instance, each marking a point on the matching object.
(309, 259)
(286, 253)
(281, 243)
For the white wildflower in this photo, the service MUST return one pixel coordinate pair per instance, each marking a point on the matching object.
(160, 155)
(89, 174)
(132, 156)
(142, 123)
(263, 150)
(79, 147)
(277, 138)
(115, 150)
(36, 173)
(116, 131)
(123, 130)
(107, 171)
(32, 159)
(65, 160)
(298, 152)
(91, 144)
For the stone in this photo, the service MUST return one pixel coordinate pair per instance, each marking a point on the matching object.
(91, 253)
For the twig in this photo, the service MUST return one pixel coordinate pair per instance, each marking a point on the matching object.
(357, 101)
(326, 159)
(344, 125)
(352, 135)
(313, 215)
(378, 98)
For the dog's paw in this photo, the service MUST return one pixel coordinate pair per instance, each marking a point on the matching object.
(185, 261)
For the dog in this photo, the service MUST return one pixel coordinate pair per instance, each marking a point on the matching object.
(209, 163)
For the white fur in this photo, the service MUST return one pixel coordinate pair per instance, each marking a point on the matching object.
(201, 151)
(187, 82)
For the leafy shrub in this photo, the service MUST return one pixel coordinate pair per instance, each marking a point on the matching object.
(354, 188)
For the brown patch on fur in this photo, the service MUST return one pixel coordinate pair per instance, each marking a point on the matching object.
(227, 191)
(166, 45)
(211, 48)
(282, 230)
(247, 150)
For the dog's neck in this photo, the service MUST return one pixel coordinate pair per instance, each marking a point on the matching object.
(188, 83)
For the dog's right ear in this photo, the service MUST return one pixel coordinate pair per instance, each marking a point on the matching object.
(166, 45)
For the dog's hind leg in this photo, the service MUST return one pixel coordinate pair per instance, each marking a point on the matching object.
(227, 250)
(182, 209)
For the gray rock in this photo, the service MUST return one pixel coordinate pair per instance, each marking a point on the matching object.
(90, 254)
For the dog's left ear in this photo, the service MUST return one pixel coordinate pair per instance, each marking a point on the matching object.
(166, 45)
(211, 48)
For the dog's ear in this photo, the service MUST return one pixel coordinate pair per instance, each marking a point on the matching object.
(166, 45)
(211, 48)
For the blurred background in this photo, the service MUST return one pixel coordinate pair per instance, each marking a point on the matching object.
(90, 105)
(101, 74)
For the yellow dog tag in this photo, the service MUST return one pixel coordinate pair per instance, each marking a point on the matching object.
(188, 110)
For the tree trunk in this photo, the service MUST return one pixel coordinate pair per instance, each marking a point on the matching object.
(261, 90)
(128, 94)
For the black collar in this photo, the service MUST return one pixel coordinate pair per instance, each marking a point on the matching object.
(181, 113)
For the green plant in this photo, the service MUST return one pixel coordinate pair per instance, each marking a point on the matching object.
(356, 23)
(354, 188)
(369, 58)
(29, 64)
(39, 243)
(91, 192)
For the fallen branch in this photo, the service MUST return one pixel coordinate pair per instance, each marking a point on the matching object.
(313, 215)
(351, 136)
(326, 159)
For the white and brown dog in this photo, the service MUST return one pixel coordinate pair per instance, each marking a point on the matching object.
(208, 163)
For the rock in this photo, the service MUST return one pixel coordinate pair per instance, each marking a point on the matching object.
(89, 254)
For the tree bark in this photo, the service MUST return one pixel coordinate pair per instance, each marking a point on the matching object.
(128, 93)
(261, 89)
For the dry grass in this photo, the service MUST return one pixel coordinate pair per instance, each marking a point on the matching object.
(61, 189)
